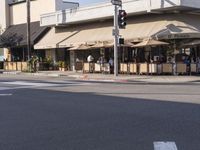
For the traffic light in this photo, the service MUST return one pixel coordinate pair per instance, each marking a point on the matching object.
(121, 41)
(122, 19)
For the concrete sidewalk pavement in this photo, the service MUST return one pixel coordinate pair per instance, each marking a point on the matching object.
(110, 77)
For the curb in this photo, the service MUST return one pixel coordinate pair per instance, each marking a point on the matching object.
(85, 77)
(31, 74)
(11, 73)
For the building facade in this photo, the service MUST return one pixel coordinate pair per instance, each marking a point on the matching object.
(175, 22)
(75, 32)
(13, 24)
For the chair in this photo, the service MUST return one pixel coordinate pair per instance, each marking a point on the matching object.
(123, 68)
(167, 68)
(193, 68)
(143, 68)
(86, 67)
(106, 68)
(132, 68)
(153, 68)
(181, 68)
(97, 67)
(78, 66)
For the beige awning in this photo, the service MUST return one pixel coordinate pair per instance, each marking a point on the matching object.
(91, 33)
(176, 26)
(53, 38)
(165, 26)
(150, 42)
(80, 47)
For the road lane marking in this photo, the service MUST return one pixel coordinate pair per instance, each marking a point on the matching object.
(5, 94)
(165, 146)
(29, 85)
(4, 88)
(25, 84)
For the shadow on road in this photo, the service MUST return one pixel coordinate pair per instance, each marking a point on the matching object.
(50, 120)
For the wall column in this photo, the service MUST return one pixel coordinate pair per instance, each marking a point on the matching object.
(72, 60)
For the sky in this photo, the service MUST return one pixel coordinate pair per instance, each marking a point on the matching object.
(87, 2)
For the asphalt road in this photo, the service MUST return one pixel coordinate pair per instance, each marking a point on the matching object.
(61, 114)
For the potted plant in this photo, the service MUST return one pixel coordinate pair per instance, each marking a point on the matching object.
(62, 65)
(49, 62)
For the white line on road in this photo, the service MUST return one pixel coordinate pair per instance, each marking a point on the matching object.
(5, 94)
(165, 146)
(36, 84)
(23, 83)
(4, 88)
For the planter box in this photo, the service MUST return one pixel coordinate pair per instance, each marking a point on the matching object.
(62, 69)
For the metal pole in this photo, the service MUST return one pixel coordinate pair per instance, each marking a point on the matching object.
(116, 32)
(28, 29)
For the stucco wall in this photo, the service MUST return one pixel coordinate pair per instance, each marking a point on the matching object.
(65, 5)
(106, 10)
(38, 7)
(18, 11)
(4, 14)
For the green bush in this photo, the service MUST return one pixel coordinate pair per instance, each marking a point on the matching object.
(62, 64)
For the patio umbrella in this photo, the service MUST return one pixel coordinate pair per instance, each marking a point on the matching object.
(193, 43)
(104, 44)
(127, 44)
(150, 42)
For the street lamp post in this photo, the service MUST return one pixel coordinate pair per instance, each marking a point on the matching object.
(28, 29)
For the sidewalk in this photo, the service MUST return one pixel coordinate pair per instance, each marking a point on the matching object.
(110, 77)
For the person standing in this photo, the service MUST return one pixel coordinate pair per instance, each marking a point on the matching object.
(198, 64)
(90, 59)
(111, 63)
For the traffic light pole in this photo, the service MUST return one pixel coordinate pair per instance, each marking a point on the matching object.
(28, 29)
(116, 35)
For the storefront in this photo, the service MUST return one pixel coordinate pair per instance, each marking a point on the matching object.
(15, 40)
(174, 29)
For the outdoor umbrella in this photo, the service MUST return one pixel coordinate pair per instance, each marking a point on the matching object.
(150, 42)
(104, 44)
(193, 43)
(127, 44)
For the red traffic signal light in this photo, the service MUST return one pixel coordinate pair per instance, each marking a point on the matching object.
(122, 15)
